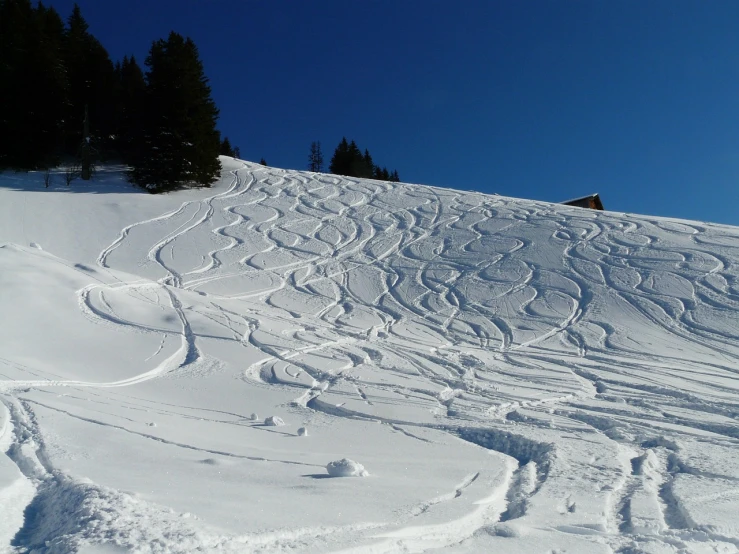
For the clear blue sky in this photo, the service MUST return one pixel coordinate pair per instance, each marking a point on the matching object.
(637, 100)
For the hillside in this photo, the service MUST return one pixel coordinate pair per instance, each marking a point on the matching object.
(514, 376)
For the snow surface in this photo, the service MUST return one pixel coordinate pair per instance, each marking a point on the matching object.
(517, 376)
(346, 468)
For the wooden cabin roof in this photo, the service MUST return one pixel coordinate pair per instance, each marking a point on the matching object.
(591, 201)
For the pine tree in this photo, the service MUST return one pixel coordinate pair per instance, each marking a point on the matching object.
(340, 162)
(348, 160)
(32, 84)
(263, 162)
(356, 161)
(131, 96)
(92, 82)
(315, 159)
(368, 166)
(226, 148)
(53, 89)
(381, 173)
(179, 137)
(395, 177)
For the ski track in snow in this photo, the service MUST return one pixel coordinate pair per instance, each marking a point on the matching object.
(525, 328)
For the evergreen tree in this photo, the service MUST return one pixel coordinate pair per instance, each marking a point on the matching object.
(348, 160)
(340, 161)
(381, 173)
(368, 166)
(32, 84)
(226, 148)
(395, 177)
(356, 161)
(131, 95)
(263, 162)
(50, 101)
(237, 152)
(92, 82)
(180, 142)
(315, 159)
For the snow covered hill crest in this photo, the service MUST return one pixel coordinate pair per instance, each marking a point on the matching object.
(489, 374)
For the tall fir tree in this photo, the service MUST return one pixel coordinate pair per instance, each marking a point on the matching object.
(315, 159)
(356, 161)
(32, 84)
(180, 142)
(92, 81)
(368, 166)
(53, 100)
(131, 96)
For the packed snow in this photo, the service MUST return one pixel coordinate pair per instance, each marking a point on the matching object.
(516, 376)
(346, 468)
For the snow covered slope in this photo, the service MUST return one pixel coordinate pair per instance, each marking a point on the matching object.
(514, 376)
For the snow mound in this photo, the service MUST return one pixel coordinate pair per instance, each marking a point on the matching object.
(346, 468)
(274, 421)
(303, 432)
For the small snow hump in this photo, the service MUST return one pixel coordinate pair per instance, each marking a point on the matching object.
(254, 417)
(346, 468)
(303, 432)
(35, 245)
(274, 421)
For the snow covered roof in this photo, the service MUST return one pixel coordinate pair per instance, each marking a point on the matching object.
(591, 201)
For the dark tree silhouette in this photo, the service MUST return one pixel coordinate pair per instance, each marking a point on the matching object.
(340, 162)
(226, 148)
(131, 95)
(180, 142)
(348, 160)
(315, 159)
(61, 96)
(33, 87)
(92, 83)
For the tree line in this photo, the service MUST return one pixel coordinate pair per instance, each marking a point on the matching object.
(348, 160)
(63, 99)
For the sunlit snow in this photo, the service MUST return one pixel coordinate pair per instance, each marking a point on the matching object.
(505, 375)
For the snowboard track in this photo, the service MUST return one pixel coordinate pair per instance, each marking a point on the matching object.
(438, 296)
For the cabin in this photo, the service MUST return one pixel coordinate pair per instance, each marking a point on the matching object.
(593, 202)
